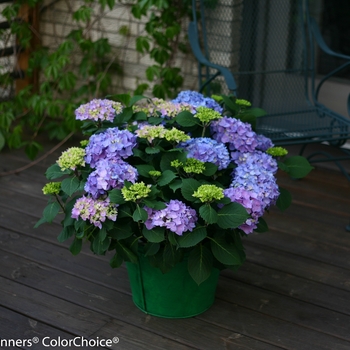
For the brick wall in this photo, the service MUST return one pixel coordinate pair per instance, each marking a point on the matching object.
(121, 29)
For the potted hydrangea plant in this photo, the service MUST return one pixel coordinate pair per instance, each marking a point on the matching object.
(171, 188)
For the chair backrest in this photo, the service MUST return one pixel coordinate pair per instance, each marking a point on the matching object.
(265, 45)
(268, 47)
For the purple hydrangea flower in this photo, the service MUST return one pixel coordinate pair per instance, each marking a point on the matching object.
(254, 185)
(264, 143)
(108, 175)
(110, 144)
(251, 202)
(207, 150)
(196, 99)
(95, 211)
(176, 217)
(98, 110)
(237, 134)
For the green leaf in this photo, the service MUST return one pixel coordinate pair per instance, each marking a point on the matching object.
(116, 196)
(40, 222)
(262, 226)
(210, 169)
(121, 230)
(136, 98)
(140, 214)
(200, 263)
(191, 238)
(142, 44)
(225, 252)
(209, 215)
(152, 150)
(230, 105)
(50, 211)
(76, 246)
(100, 243)
(256, 112)
(116, 260)
(125, 252)
(144, 169)
(166, 177)
(66, 233)
(186, 119)
(284, 200)
(54, 172)
(151, 249)
(175, 185)
(125, 116)
(172, 238)
(298, 166)
(168, 157)
(70, 185)
(232, 215)
(189, 186)
(122, 98)
(155, 235)
(154, 204)
(2, 141)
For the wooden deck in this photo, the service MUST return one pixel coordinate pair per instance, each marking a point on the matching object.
(292, 293)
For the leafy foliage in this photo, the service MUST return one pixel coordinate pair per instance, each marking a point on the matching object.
(48, 106)
(215, 239)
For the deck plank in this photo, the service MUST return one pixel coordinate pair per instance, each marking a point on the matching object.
(292, 292)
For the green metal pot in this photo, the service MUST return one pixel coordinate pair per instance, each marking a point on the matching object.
(170, 295)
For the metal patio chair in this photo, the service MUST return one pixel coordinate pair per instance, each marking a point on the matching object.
(265, 51)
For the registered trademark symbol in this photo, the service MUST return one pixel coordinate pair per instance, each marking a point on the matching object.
(115, 340)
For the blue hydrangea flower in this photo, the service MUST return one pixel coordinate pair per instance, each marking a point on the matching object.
(99, 110)
(176, 217)
(107, 175)
(196, 99)
(207, 150)
(238, 135)
(110, 144)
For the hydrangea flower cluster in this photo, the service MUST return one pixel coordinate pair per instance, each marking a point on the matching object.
(254, 185)
(109, 174)
(110, 144)
(136, 191)
(71, 158)
(238, 135)
(158, 107)
(151, 132)
(196, 99)
(176, 217)
(52, 188)
(99, 110)
(206, 149)
(94, 210)
(208, 193)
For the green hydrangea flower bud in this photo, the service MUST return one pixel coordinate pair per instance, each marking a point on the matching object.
(206, 115)
(277, 151)
(176, 164)
(136, 191)
(52, 188)
(208, 193)
(242, 102)
(84, 143)
(71, 158)
(155, 173)
(194, 166)
(176, 135)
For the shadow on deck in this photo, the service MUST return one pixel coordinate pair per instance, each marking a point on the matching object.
(292, 293)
